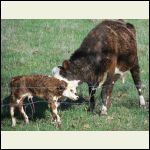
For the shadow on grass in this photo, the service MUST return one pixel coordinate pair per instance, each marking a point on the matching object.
(40, 107)
(68, 103)
(5, 108)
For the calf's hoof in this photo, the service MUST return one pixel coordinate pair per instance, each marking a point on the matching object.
(58, 125)
(13, 126)
(27, 121)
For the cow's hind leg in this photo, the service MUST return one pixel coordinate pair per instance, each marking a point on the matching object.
(106, 93)
(135, 72)
(92, 92)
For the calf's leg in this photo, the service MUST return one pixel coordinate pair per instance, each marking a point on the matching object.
(55, 117)
(21, 109)
(12, 113)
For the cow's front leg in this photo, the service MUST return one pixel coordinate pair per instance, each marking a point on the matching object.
(92, 100)
(55, 117)
(106, 102)
(106, 93)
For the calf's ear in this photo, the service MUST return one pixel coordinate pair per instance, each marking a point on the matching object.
(62, 86)
(66, 64)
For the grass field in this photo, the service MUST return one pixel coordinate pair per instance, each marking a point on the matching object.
(36, 46)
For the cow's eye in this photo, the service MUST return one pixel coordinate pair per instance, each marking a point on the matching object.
(71, 90)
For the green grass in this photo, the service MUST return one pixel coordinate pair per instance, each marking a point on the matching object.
(36, 46)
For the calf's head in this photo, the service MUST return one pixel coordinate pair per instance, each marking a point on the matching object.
(71, 91)
(68, 89)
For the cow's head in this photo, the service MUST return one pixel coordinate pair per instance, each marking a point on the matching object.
(66, 72)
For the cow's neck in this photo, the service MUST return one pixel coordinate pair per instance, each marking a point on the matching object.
(85, 70)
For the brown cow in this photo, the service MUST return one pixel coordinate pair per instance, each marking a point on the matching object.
(106, 53)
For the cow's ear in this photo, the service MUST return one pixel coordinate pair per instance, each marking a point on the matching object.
(66, 64)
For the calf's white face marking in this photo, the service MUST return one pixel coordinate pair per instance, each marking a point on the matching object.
(70, 91)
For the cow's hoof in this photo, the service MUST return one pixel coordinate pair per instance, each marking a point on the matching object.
(103, 111)
(146, 106)
(89, 109)
(143, 106)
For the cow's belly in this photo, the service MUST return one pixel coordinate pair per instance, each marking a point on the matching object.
(118, 71)
(121, 73)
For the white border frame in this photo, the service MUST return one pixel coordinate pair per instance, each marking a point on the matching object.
(75, 10)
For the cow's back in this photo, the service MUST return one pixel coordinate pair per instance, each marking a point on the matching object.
(113, 39)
